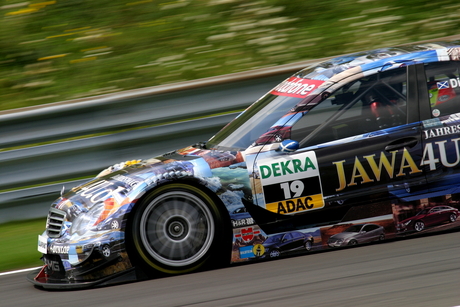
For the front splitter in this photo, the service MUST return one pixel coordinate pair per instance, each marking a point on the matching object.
(40, 279)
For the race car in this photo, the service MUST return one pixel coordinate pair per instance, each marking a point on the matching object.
(350, 141)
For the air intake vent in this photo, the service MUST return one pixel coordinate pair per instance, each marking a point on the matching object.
(54, 222)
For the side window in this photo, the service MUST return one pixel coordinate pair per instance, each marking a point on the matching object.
(296, 235)
(368, 228)
(361, 106)
(443, 87)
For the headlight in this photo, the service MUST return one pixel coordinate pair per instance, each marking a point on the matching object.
(407, 223)
(86, 220)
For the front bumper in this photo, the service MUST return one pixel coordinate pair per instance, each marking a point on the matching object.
(335, 243)
(82, 264)
(41, 279)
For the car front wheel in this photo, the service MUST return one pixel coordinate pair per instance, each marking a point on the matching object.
(177, 229)
(452, 218)
(419, 226)
(115, 224)
(105, 251)
(308, 245)
(274, 253)
(353, 242)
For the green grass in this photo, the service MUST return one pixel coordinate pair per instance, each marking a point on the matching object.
(58, 50)
(19, 244)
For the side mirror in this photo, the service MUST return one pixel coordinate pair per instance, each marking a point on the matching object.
(288, 146)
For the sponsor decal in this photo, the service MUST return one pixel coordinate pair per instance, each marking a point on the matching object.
(102, 190)
(243, 222)
(296, 87)
(291, 184)
(442, 91)
(129, 181)
(359, 175)
(434, 153)
(442, 84)
(442, 131)
(52, 265)
(258, 250)
(43, 244)
(59, 249)
(246, 252)
(247, 234)
(97, 191)
(429, 158)
(451, 83)
(297, 204)
(432, 123)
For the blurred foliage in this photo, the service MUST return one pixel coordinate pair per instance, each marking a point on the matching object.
(19, 244)
(59, 50)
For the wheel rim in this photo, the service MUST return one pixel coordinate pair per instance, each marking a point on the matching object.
(453, 218)
(419, 226)
(115, 225)
(274, 253)
(106, 251)
(308, 245)
(177, 228)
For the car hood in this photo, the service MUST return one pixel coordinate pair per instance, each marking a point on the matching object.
(122, 184)
(413, 218)
(271, 244)
(344, 235)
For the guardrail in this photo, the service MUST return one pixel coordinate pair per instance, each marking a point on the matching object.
(64, 161)
(85, 136)
(81, 137)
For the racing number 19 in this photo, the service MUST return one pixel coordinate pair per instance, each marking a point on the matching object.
(295, 187)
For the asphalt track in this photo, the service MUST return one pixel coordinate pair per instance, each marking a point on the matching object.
(422, 271)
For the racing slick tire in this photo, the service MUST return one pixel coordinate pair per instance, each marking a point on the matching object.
(177, 229)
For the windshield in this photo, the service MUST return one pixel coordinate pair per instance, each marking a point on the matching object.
(253, 122)
(279, 106)
(274, 239)
(424, 211)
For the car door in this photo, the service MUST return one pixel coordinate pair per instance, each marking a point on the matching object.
(360, 145)
(287, 242)
(433, 217)
(369, 233)
(298, 240)
(441, 130)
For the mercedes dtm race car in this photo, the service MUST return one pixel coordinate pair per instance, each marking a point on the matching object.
(370, 138)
